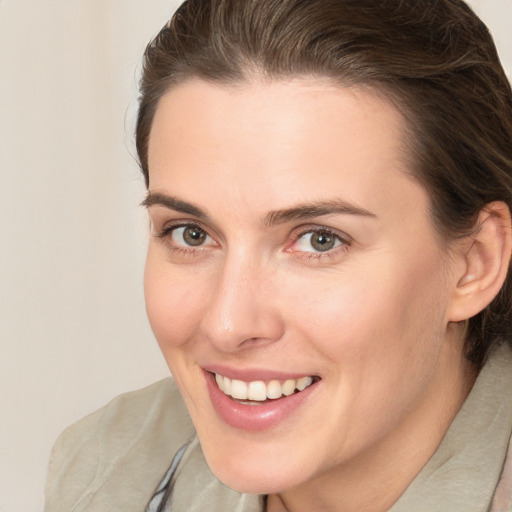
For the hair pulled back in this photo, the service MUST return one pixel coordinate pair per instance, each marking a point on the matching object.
(434, 59)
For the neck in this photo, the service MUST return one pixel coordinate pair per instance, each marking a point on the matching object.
(375, 479)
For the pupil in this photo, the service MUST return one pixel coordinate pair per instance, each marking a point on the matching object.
(194, 236)
(322, 241)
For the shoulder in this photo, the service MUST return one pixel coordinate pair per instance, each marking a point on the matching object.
(502, 501)
(114, 458)
(500, 361)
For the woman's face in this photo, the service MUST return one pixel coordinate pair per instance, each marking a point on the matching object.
(289, 248)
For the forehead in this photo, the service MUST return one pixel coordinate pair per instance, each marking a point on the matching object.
(275, 111)
(271, 142)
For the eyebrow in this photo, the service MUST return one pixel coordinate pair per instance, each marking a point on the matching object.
(316, 209)
(299, 212)
(173, 203)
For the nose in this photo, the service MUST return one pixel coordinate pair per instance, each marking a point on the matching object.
(243, 310)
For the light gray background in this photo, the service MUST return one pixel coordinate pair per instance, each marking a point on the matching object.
(73, 331)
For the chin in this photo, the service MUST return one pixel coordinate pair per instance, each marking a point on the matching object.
(252, 483)
(259, 474)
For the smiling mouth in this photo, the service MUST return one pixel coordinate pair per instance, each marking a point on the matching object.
(259, 391)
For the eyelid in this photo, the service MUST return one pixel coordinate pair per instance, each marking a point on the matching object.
(300, 231)
(316, 228)
(169, 225)
(165, 233)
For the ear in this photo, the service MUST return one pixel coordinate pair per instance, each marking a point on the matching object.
(484, 262)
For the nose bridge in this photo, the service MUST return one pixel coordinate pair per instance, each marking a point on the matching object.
(241, 307)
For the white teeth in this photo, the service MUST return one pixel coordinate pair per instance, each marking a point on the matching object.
(238, 389)
(220, 381)
(289, 387)
(304, 383)
(226, 385)
(258, 391)
(274, 389)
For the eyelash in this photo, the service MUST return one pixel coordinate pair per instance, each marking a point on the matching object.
(343, 246)
(167, 231)
(344, 240)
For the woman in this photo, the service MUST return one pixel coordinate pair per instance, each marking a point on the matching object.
(329, 191)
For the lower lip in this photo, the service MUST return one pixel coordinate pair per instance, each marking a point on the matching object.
(255, 417)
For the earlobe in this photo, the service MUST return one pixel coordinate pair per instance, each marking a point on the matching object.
(485, 256)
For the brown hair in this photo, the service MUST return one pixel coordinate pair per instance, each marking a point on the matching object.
(434, 58)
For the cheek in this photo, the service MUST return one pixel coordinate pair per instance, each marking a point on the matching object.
(375, 318)
(174, 303)
(380, 339)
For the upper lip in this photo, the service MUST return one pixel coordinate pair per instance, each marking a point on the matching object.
(254, 374)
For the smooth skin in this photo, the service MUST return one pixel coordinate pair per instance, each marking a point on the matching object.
(232, 278)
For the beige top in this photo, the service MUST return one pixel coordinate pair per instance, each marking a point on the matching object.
(115, 458)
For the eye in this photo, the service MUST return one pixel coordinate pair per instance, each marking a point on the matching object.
(188, 236)
(317, 241)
